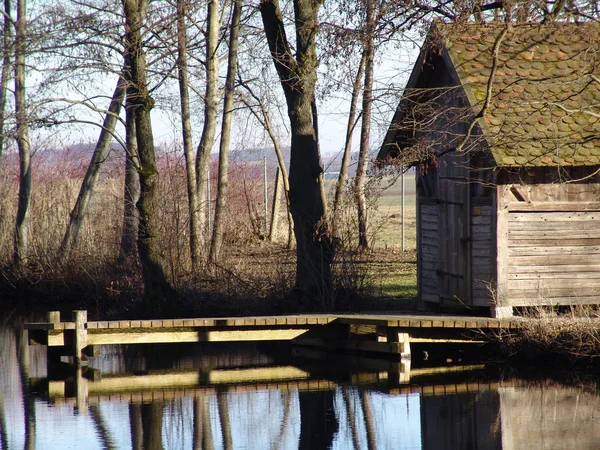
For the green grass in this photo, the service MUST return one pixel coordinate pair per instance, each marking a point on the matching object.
(394, 270)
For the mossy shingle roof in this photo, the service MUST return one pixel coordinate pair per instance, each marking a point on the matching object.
(545, 104)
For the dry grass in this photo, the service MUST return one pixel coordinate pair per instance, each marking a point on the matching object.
(573, 333)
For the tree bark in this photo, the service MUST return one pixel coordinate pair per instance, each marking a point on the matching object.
(298, 77)
(222, 186)
(22, 224)
(90, 179)
(6, 68)
(211, 104)
(131, 189)
(186, 129)
(363, 155)
(156, 287)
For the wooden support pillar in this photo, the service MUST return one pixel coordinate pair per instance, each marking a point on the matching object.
(396, 379)
(53, 317)
(397, 335)
(53, 354)
(81, 337)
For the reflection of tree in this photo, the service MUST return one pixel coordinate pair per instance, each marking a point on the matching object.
(135, 421)
(146, 426)
(318, 422)
(152, 420)
(369, 421)
(101, 428)
(351, 416)
(287, 399)
(28, 400)
(3, 436)
(225, 422)
(203, 438)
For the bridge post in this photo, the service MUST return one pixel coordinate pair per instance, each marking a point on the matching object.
(81, 338)
(53, 317)
(397, 335)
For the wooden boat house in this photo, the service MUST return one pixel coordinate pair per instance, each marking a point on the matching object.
(503, 123)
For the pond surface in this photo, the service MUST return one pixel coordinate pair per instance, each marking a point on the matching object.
(250, 397)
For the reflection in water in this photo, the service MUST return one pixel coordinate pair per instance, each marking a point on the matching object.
(247, 400)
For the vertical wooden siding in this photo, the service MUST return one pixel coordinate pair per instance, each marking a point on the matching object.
(428, 251)
(483, 254)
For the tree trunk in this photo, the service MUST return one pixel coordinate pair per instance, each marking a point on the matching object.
(221, 206)
(88, 185)
(211, 104)
(298, 77)
(156, 287)
(6, 67)
(131, 191)
(363, 156)
(22, 223)
(343, 176)
(186, 129)
(275, 206)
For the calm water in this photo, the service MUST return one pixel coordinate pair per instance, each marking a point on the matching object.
(246, 397)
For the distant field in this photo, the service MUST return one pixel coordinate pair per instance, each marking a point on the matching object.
(386, 219)
(393, 271)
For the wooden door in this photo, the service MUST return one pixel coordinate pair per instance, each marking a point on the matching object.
(453, 271)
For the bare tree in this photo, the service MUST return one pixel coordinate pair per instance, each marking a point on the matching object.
(221, 205)
(298, 77)
(351, 124)
(90, 179)
(211, 104)
(186, 129)
(363, 155)
(156, 286)
(6, 69)
(22, 225)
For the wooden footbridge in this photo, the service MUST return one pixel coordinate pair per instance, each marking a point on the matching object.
(382, 334)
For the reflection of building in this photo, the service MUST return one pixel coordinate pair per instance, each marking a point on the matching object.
(549, 418)
(512, 418)
(461, 421)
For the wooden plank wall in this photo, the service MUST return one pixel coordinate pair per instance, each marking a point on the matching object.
(553, 257)
(428, 251)
(483, 254)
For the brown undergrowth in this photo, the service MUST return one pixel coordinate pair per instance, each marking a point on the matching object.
(254, 280)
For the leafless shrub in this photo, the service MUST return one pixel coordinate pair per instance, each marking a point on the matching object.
(571, 332)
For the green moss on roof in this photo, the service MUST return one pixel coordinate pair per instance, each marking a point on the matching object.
(545, 106)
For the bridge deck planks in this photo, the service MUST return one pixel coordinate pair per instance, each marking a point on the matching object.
(394, 321)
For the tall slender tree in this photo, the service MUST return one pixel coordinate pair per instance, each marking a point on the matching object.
(223, 180)
(186, 130)
(90, 179)
(22, 225)
(211, 107)
(365, 130)
(6, 69)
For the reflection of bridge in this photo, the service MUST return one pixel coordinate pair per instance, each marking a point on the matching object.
(379, 334)
(87, 387)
